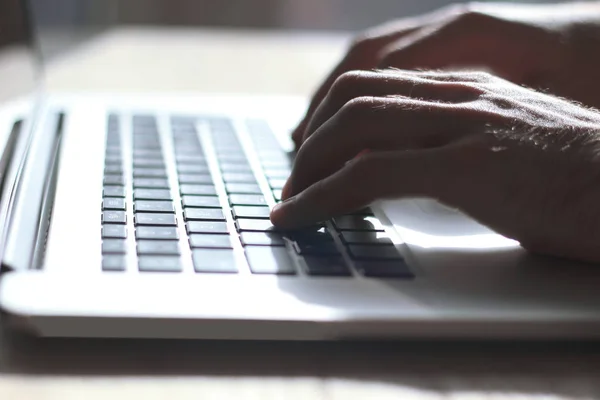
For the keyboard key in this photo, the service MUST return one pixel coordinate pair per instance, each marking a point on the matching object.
(146, 153)
(156, 233)
(365, 212)
(114, 246)
(153, 206)
(113, 203)
(243, 188)
(150, 183)
(193, 169)
(114, 217)
(114, 231)
(316, 249)
(159, 264)
(114, 180)
(384, 269)
(277, 173)
(113, 263)
(325, 266)
(203, 214)
(238, 177)
(361, 252)
(197, 190)
(113, 169)
(358, 223)
(370, 238)
(228, 167)
(232, 159)
(251, 212)
(317, 234)
(161, 247)
(214, 261)
(200, 201)
(277, 184)
(195, 179)
(151, 194)
(190, 159)
(269, 260)
(113, 159)
(113, 191)
(148, 163)
(206, 227)
(155, 219)
(256, 225)
(261, 239)
(149, 173)
(210, 241)
(247, 200)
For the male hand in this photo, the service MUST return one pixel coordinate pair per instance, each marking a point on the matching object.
(524, 163)
(552, 47)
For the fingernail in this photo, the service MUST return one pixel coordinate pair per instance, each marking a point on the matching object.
(286, 190)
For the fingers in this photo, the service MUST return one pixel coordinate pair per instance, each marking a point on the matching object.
(370, 177)
(356, 84)
(377, 124)
(362, 55)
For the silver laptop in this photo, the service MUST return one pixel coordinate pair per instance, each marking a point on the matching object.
(148, 217)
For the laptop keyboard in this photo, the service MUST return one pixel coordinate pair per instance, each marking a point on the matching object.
(211, 211)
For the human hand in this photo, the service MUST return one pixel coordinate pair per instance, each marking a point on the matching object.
(551, 47)
(524, 163)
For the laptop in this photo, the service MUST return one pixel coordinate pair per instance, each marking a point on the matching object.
(147, 217)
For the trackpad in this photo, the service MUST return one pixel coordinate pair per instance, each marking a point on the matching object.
(428, 224)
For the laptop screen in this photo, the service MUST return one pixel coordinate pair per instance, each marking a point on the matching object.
(18, 57)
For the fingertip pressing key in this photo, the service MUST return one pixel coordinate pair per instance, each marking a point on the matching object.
(282, 214)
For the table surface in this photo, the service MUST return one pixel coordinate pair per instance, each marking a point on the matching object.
(155, 60)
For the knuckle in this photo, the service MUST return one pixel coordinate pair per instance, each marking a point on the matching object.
(358, 106)
(347, 85)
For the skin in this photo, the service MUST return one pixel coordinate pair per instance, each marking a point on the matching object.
(524, 163)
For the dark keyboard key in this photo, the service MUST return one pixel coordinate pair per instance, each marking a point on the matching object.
(158, 233)
(384, 269)
(361, 252)
(214, 261)
(113, 169)
(114, 180)
(148, 163)
(146, 153)
(200, 201)
(113, 191)
(251, 212)
(113, 159)
(370, 238)
(206, 227)
(151, 194)
(113, 203)
(113, 263)
(325, 266)
(114, 246)
(160, 247)
(114, 217)
(146, 143)
(150, 183)
(238, 177)
(159, 264)
(149, 173)
(358, 223)
(316, 249)
(197, 190)
(269, 260)
(228, 167)
(203, 214)
(256, 225)
(193, 169)
(261, 239)
(114, 232)
(317, 234)
(195, 179)
(247, 200)
(243, 188)
(277, 184)
(153, 206)
(155, 219)
(277, 173)
(210, 241)
(277, 194)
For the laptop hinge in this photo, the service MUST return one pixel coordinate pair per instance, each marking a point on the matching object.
(34, 196)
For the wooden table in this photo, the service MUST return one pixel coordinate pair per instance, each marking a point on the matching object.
(219, 61)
